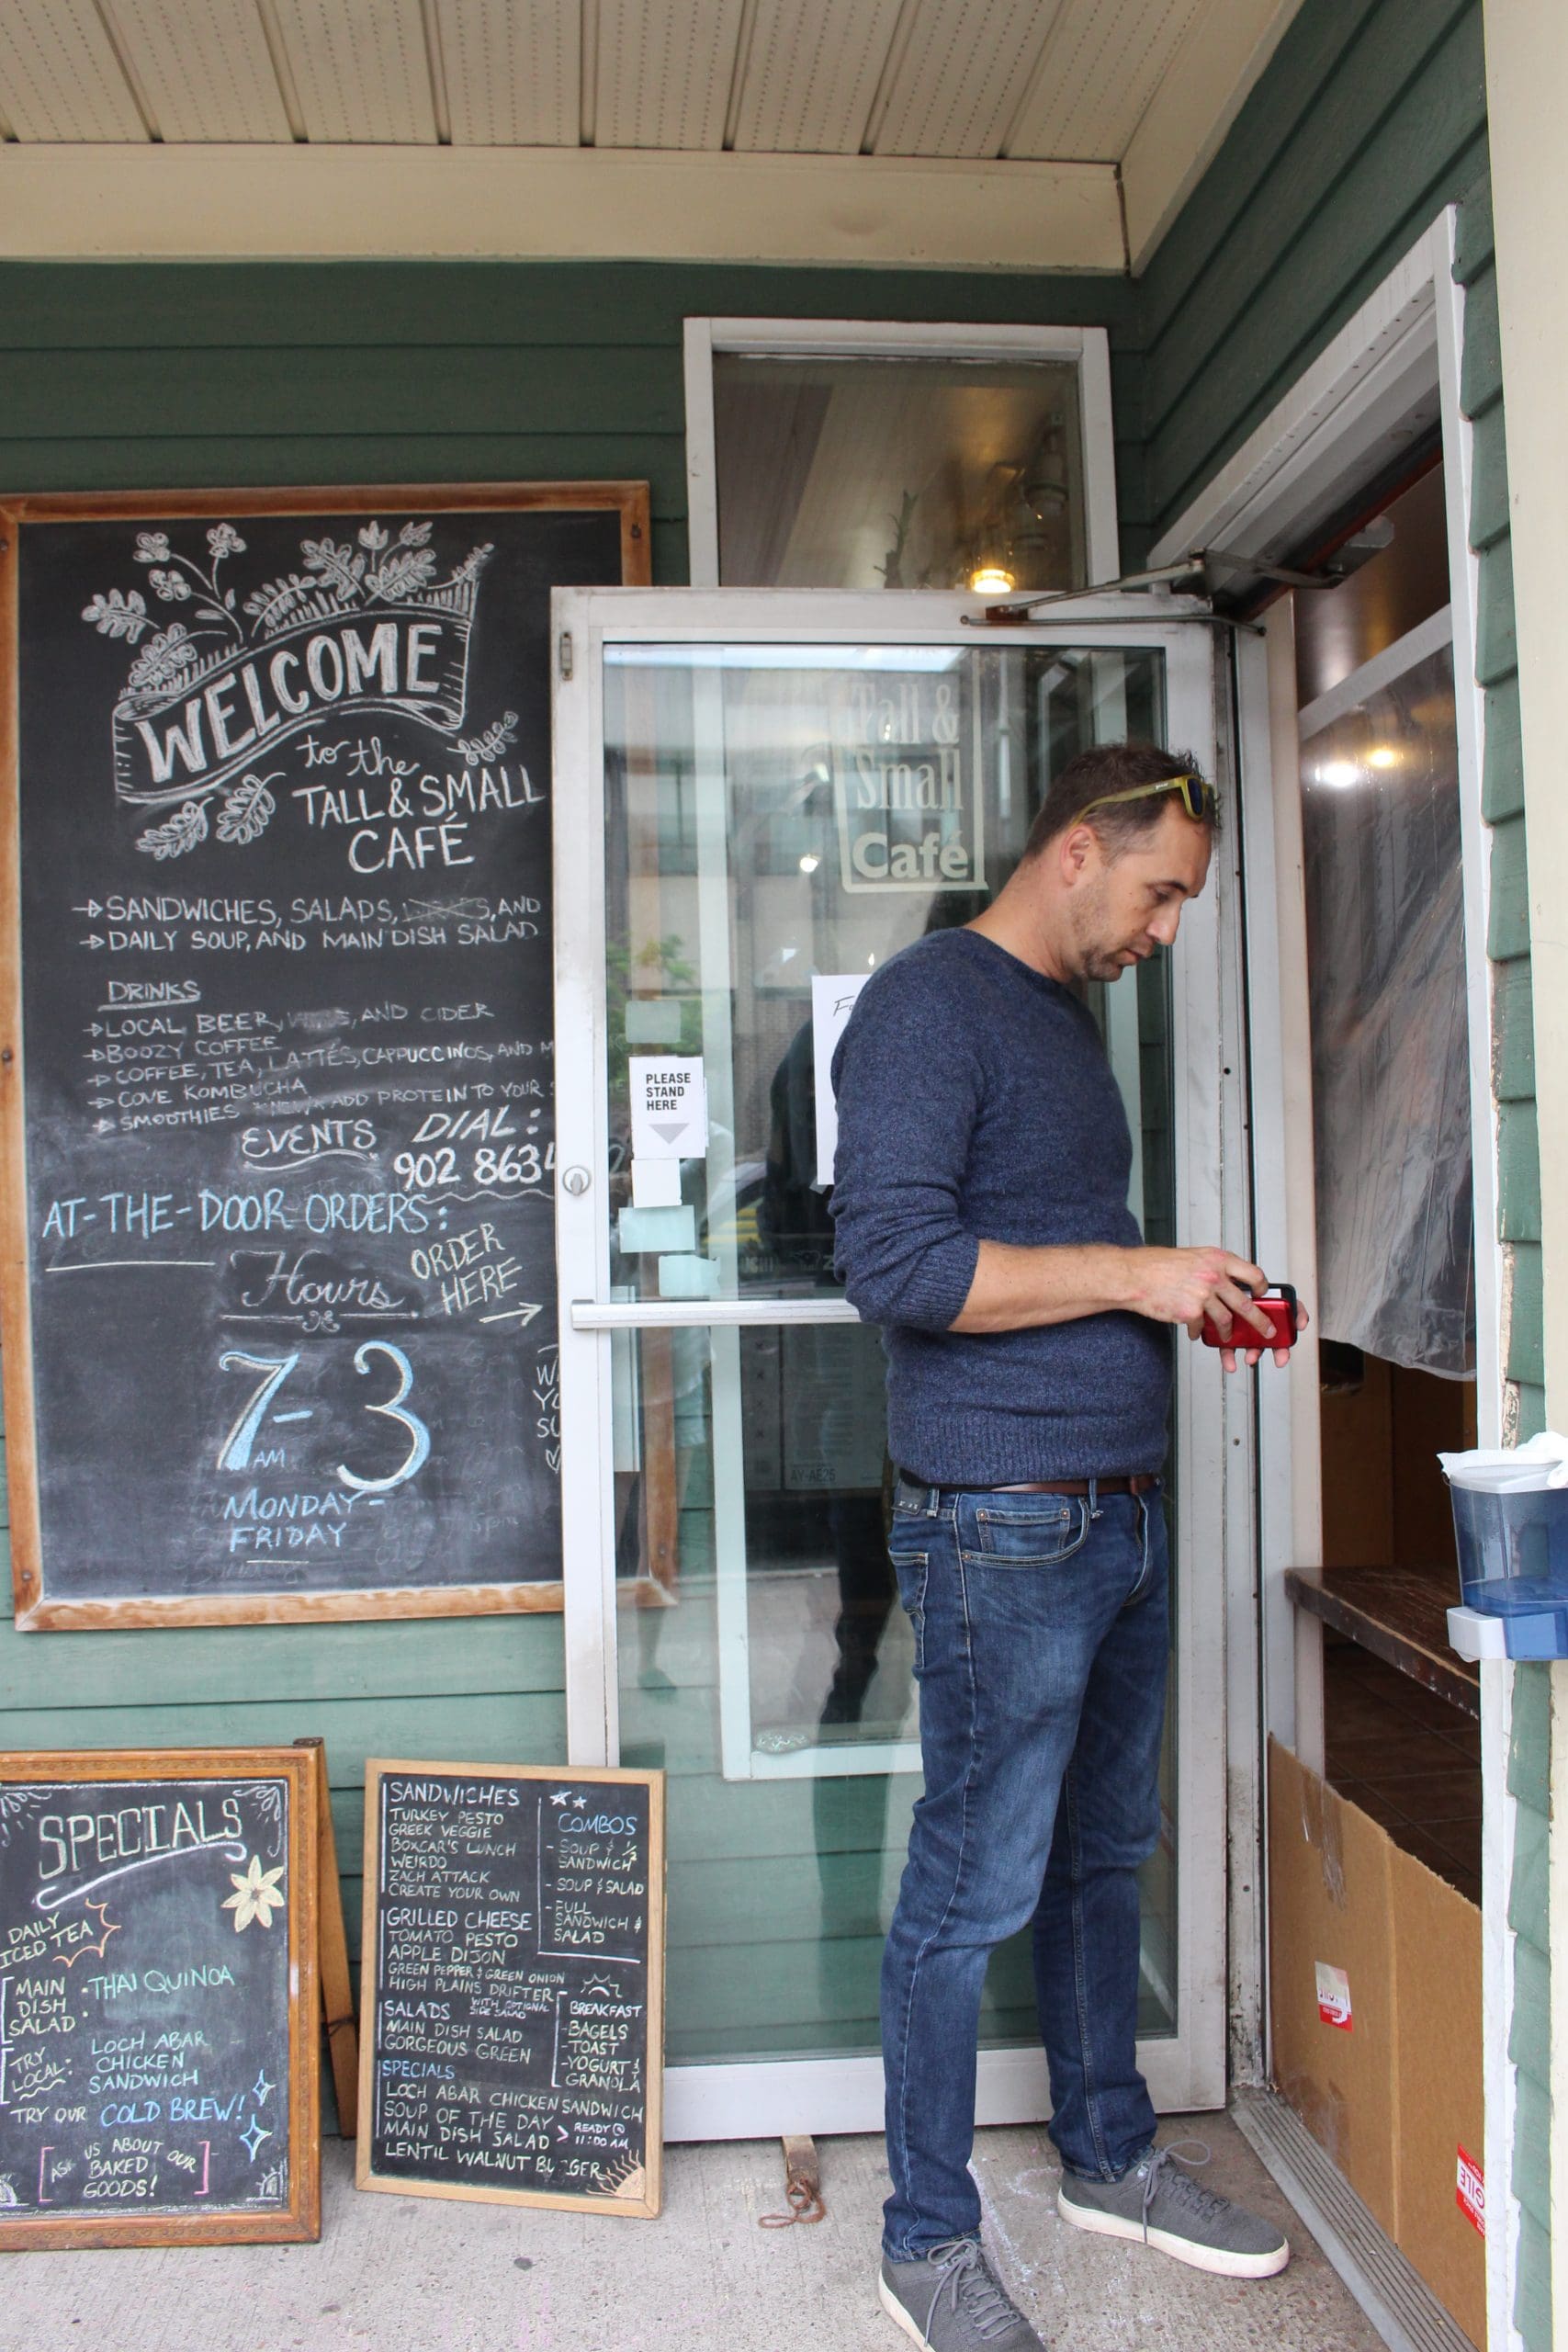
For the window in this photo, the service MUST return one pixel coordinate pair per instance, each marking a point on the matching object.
(845, 455)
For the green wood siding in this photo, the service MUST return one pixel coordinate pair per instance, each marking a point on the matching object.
(1369, 118)
(1529, 2039)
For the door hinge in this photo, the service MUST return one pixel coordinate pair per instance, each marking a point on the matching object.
(566, 654)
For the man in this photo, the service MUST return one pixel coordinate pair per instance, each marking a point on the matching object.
(980, 1200)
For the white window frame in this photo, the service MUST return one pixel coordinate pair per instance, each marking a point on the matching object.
(1086, 349)
(1390, 373)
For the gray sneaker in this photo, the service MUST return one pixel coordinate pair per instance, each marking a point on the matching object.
(949, 2301)
(1172, 2210)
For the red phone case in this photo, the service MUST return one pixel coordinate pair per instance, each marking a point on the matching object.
(1279, 1302)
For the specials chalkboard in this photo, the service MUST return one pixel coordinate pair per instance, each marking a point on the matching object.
(277, 1060)
(159, 2031)
(511, 2004)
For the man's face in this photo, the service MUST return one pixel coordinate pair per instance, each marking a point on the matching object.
(1122, 903)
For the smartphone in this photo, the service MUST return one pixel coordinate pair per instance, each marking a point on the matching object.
(1279, 1302)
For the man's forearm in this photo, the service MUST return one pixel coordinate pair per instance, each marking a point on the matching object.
(1016, 1289)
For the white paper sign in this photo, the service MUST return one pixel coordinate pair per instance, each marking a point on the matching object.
(670, 1106)
(655, 1183)
(833, 998)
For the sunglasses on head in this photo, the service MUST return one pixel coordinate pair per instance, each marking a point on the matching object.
(1197, 797)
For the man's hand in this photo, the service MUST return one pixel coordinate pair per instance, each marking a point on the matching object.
(1186, 1286)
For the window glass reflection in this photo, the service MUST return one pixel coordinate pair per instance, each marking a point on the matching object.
(866, 472)
(779, 821)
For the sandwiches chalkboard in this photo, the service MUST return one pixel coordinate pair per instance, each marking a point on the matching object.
(275, 1051)
(159, 2024)
(511, 2004)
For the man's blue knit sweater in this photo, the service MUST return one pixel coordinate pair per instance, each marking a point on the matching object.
(976, 1104)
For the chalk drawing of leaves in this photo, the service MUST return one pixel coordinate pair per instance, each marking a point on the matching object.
(275, 600)
(166, 660)
(375, 536)
(473, 563)
(414, 534)
(402, 572)
(169, 587)
(117, 615)
(246, 808)
(267, 1798)
(183, 831)
(478, 748)
(223, 539)
(153, 547)
(342, 570)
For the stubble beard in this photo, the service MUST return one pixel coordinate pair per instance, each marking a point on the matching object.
(1094, 956)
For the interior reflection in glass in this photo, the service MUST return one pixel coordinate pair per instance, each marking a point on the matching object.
(779, 821)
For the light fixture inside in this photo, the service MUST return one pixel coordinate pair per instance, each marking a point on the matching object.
(1384, 756)
(1339, 773)
(810, 862)
(990, 580)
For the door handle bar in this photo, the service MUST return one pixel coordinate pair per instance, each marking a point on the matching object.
(673, 1313)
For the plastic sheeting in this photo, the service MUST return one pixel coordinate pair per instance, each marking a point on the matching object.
(1390, 1034)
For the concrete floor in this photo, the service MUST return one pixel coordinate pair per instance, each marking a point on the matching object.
(395, 2274)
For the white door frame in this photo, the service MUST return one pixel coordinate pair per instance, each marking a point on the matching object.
(1214, 1465)
(1390, 373)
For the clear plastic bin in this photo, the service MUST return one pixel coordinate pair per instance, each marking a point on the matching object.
(1512, 1533)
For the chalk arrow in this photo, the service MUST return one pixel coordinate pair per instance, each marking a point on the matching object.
(91, 909)
(94, 1029)
(94, 941)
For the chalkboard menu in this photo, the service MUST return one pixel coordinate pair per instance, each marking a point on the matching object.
(512, 2007)
(159, 2027)
(277, 1059)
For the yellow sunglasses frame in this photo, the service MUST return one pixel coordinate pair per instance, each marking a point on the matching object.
(1192, 789)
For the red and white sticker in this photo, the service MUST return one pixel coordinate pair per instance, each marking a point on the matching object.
(1469, 2195)
(1333, 1996)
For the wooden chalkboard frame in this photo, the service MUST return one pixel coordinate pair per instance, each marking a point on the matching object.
(35, 1611)
(300, 2224)
(646, 2207)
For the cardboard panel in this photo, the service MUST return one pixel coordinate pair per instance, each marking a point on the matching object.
(1328, 1902)
(1438, 2103)
(1395, 2092)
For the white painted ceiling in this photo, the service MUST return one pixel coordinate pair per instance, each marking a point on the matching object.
(1025, 80)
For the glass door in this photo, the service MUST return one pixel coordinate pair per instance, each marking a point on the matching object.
(760, 798)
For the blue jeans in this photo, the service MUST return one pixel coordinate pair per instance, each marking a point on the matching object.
(1040, 1650)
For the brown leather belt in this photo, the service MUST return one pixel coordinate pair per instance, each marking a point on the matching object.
(1139, 1483)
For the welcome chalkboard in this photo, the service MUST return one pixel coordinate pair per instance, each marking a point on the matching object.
(159, 2027)
(277, 1059)
(512, 2007)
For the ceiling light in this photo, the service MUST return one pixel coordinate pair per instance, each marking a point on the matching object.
(1339, 773)
(990, 580)
(1385, 756)
(810, 862)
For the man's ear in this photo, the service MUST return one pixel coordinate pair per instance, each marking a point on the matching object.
(1077, 849)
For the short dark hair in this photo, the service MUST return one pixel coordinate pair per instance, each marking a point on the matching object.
(1105, 768)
